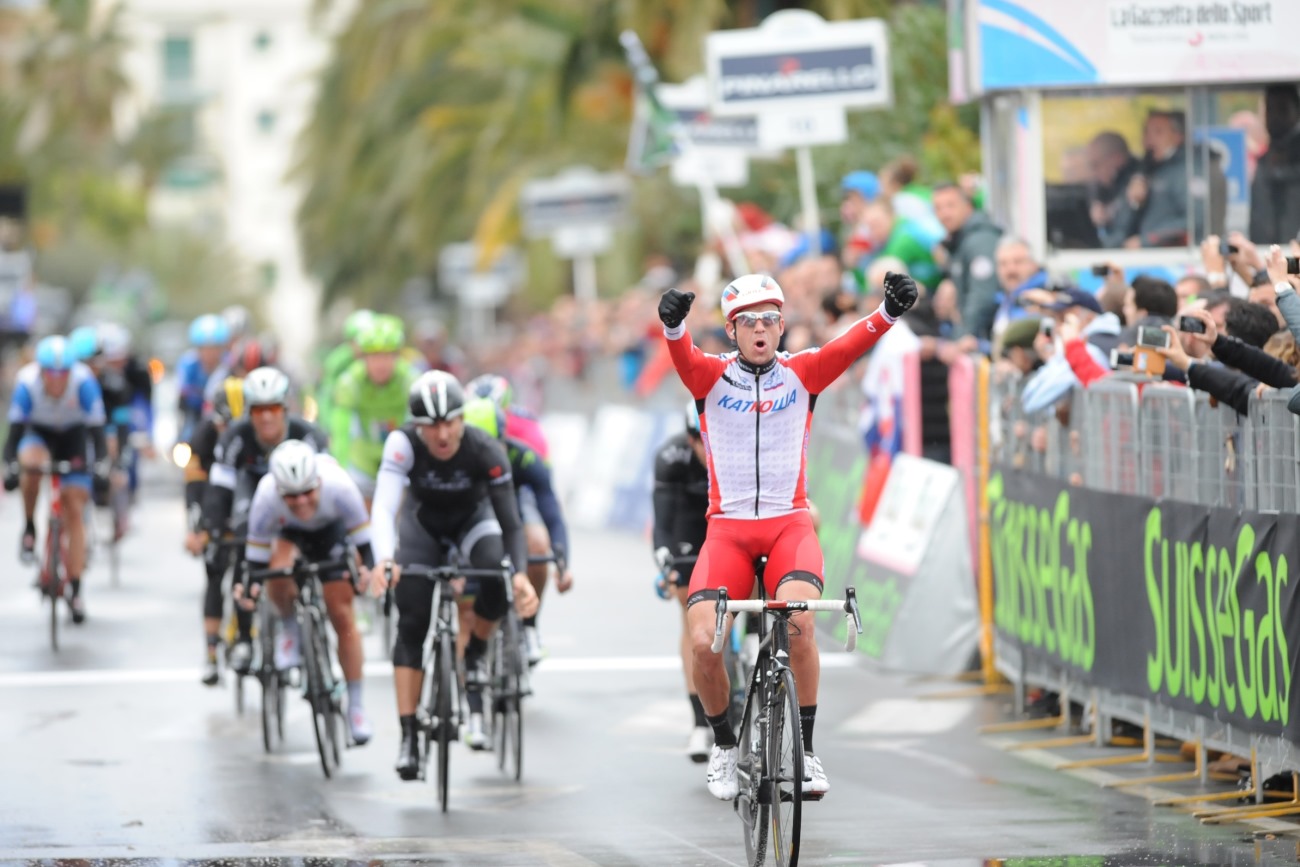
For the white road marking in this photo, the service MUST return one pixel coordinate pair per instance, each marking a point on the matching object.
(376, 668)
(906, 716)
(658, 716)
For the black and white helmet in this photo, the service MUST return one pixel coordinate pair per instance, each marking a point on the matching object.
(266, 386)
(436, 396)
(293, 464)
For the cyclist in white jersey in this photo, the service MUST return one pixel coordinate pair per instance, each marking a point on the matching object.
(308, 507)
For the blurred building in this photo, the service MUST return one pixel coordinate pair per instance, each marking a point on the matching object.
(231, 83)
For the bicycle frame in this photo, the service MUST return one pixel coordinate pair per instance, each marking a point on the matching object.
(770, 787)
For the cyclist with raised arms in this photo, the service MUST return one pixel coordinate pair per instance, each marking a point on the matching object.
(209, 339)
(681, 500)
(539, 509)
(241, 462)
(369, 401)
(227, 407)
(458, 492)
(307, 507)
(56, 413)
(755, 409)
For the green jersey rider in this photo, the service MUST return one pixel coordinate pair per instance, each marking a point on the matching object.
(369, 401)
(339, 359)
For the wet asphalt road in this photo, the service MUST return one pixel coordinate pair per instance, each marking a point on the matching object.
(112, 749)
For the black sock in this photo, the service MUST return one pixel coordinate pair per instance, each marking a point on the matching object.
(531, 621)
(698, 710)
(75, 584)
(29, 529)
(475, 648)
(243, 625)
(213, 641)
(807, 716)
(408, 723)
(474, 698)
(723, 735)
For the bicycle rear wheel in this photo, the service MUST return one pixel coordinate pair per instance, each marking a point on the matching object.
(54, 578)
(785, 767)
(318, 693)
(750, 803)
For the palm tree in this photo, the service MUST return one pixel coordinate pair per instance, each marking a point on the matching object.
(431, 117)
(71, 70)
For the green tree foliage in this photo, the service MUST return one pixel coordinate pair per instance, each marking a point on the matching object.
(430, 117)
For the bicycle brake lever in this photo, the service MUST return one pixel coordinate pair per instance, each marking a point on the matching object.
(851, 596)
(721, 606)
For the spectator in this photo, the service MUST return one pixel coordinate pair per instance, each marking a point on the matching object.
(1020, 345)
(1191, 288)
(1229, 386)
(1275, 193)
(857, 189)
(1100, 332)
(1157, 197)
(1252, 324)
(911, 200)
(1150, 302)
(1112, 168)
(1018, 272)
(970, 245)
(890, 236)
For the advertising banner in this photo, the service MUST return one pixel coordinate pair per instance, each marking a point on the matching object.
(1064, 43)
(1189, 606)
(796, 60)
(911, 568)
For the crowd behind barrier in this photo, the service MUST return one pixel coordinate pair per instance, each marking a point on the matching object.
(1142, 545)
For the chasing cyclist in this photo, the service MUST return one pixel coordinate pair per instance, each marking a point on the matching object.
(307, 507)
(459, 491)
(521, 425)
(755, 414)
(539, 509)
(369, 401)
(209, 340)
(227, 407)
(241, 462)
(339, 359)
(681, 500)
(57, 406)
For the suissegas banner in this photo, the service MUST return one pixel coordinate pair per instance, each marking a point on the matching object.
(1005, 44)
(1190, 606)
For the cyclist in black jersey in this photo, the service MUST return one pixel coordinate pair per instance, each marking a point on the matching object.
(681, 499)
(227, 408)
(459, 493)
(241, 459)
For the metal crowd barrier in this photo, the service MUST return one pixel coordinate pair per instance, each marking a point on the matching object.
(1161, 441)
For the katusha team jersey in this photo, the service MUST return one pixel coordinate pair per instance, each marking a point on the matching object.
(756, 419)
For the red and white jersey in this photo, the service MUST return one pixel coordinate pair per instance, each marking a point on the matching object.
(756, 419)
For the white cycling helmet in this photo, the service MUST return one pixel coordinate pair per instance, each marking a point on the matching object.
(114, 341)
(293, 465)
(749, 291)
(237, 319)
(266, 386)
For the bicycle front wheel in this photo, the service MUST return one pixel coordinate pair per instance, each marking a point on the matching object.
(54, 578)
(272, 691)
(444, 726)
(318, 693)
(751, 802)
(785, 767)
(507, 699)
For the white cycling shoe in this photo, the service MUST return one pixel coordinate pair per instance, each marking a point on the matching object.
(697, 746)
(475, 737)
(815, 784)
(359, 723)
(287, 655)
(722, 773)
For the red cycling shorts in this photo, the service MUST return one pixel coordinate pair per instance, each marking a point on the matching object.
(733, 547)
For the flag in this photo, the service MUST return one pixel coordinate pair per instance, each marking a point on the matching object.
(653, 142)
